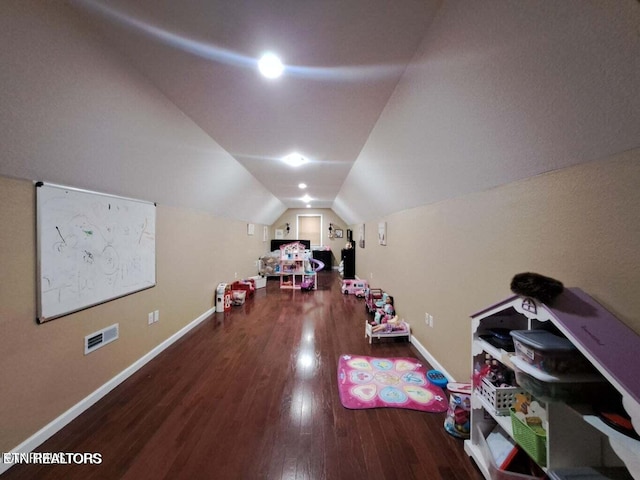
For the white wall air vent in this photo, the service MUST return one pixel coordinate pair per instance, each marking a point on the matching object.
(101, 338)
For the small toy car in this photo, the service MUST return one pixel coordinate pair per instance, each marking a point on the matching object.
(351, 286)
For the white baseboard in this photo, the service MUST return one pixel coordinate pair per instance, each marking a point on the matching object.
(431, 359)
(57, 424)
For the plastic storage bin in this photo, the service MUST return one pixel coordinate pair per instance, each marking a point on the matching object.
(238, 297)
(548, 352)
(495, 472)
(458, 420)
(557, 388)
(580, 473)
(259, 281)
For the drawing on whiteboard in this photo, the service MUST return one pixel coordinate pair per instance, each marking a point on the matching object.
(91, 248)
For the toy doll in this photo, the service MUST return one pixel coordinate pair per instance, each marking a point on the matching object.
(386, 312)
(389, 326)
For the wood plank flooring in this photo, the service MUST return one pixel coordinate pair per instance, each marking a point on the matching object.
(252, 394)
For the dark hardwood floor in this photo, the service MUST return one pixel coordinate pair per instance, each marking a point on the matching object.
(252, 394)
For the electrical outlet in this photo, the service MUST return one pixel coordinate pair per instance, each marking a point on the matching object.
(431, 321)
(426, 318)
(150, 318)
(235, 275)
(156, 315)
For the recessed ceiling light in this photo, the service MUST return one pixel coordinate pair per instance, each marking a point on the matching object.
(295, 160)
(270, 65)
(302, 186)
(308, 206)
(306, 199)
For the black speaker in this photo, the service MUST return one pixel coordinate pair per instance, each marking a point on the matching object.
(349, 262)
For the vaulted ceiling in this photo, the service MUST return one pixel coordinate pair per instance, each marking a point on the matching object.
(342, 60)
(397, 104)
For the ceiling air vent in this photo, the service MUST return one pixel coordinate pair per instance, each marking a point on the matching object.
(100, 338)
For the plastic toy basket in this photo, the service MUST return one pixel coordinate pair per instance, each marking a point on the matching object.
(532, 442)
(500, 398)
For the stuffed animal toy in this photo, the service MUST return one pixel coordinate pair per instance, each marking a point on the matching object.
(523, 400)
(534, 285)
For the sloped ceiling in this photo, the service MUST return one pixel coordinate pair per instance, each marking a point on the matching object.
(342, 62)
(397, 104)
(498, 92)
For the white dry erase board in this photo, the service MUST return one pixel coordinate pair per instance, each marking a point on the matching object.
(91, 248)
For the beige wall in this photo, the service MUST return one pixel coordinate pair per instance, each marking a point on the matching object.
(451, 259)
(46, 369)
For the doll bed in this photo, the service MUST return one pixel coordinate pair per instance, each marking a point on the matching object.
(402, 330)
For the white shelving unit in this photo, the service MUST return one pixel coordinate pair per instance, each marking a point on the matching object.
(576, 437)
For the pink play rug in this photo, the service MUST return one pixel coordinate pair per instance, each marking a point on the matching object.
(371, 382)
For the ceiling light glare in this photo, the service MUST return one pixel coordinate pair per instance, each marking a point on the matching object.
(308, 205)
(270, 66)
(302, 186)
(306, 199)
(294, 160)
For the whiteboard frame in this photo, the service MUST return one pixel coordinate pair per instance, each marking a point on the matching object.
(42, 311)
